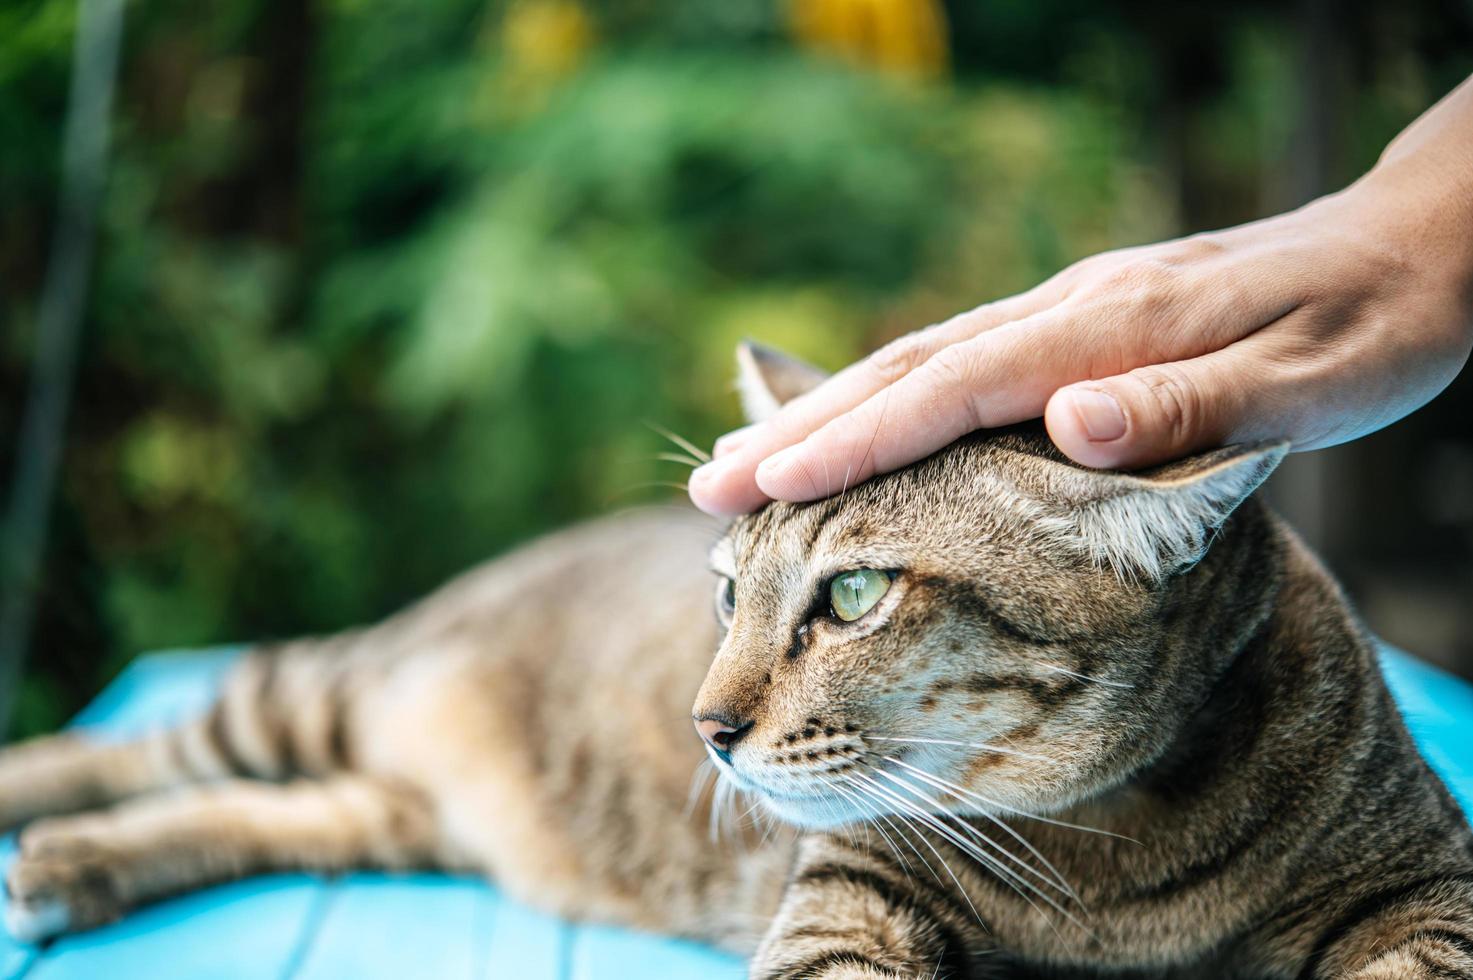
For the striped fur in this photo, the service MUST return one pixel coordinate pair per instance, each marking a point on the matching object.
(1056, 748)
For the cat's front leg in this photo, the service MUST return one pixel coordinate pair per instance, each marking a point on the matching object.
(1418, 932)
(78, 872)
(852, 913)
(1434, 953)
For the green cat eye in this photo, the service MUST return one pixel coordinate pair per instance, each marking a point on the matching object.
(852, 594)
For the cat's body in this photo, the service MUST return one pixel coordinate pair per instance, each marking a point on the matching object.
(1038, 640)
(529, 721)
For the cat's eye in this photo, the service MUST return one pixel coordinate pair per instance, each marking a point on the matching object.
(852, 594)
(725, 599)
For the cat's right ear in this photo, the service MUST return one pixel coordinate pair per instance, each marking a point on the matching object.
(1154, 523)
(768, 379)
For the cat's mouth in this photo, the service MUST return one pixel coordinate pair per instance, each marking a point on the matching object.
(830, 794)
(881, 782)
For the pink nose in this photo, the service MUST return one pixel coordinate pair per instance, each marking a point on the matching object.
(719, 735)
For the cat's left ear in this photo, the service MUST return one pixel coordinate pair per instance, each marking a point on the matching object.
(769, 379)
(1155, 523)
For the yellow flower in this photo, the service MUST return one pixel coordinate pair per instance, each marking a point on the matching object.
(903, 37)
(546, 38)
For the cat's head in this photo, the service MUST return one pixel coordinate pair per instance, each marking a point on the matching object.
(993, 629)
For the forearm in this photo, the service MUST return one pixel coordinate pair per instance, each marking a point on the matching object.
(1407, 225)
(1422, 187)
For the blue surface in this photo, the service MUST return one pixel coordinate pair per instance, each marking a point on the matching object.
(314, 928)
(427, 925)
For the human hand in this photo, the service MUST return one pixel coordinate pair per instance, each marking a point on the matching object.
(1317, 326)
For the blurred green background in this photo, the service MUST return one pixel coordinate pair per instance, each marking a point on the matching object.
(385, 287)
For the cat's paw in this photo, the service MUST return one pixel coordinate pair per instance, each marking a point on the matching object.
(849, 972)
(29, 922)
(834, 968)
(53, 890)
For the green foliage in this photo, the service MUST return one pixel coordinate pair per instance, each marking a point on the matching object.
(373, 304)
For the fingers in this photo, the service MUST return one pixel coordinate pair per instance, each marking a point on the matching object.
(1162, 412)
(997, 378)
(728, 485)
(731, 442)
(1001, 364)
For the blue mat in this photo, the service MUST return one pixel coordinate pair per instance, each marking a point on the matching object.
(429, 925)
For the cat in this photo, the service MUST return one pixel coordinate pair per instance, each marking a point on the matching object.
(1029, 720)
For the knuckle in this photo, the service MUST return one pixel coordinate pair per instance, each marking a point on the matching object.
(956, 370)
(1172, 399)
(1146, 285)
(1126, 309)
(1196, 248)
(954, 367)
(900, 357)
(1084, 274)
(1103, 262)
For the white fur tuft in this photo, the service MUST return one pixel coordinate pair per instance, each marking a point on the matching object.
(758, 402)
(1147, 529)
(768, 379)
(34, 923)
(1149, 534)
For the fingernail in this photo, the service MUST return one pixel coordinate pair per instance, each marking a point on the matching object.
(731, 442)
(779, 461)
(1099, 413)
(703, 476)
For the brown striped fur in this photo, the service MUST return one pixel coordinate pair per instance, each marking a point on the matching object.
(1149, 657)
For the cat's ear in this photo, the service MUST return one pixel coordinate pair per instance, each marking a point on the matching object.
(768, 379)
(1154, 523)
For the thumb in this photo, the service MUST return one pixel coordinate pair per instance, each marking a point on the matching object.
(1152, 414)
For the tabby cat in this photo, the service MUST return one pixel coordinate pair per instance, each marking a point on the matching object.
(1032, 720)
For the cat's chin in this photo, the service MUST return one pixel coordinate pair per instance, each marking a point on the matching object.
(812, 813)
(805, 812)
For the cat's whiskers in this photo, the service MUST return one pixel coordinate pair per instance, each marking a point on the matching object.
(722, 799)
(848, 471)
(700, 782)
(766, 825)
(984, 746)
(853, 826)
(645, 485)
(951, 788)
(945, 829)
(679, 441)
(984, 801)
(812, 483)
(879, 793)
(1085, 677)
(860, 804)
(899, 829)
(723, 820)
(879, 424)
(680, 458)
(840, 824)
(849, 462)
(1016, 882)
(1057, 882)
(719, 795)
(758, 814)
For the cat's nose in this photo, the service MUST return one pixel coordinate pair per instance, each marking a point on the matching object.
(721, 736)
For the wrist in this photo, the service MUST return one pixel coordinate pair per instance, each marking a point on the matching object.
(1428, 197)
(1421, 218)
